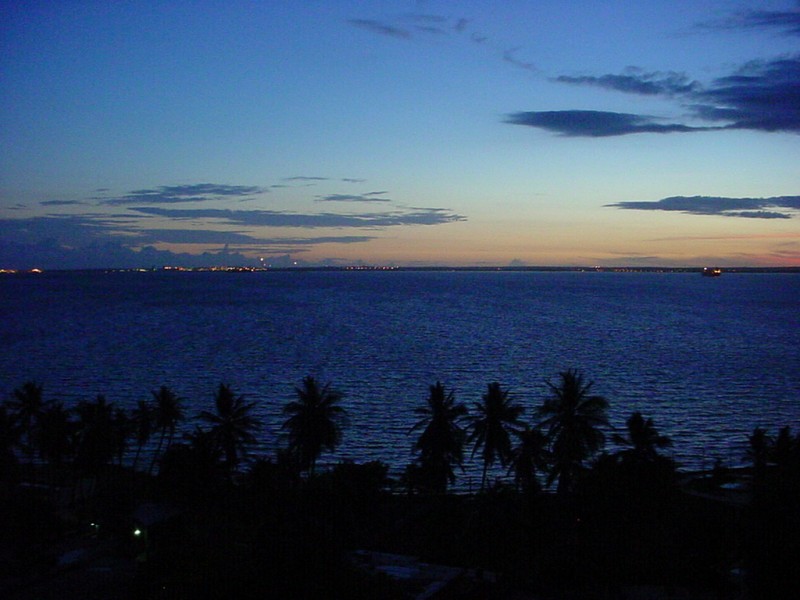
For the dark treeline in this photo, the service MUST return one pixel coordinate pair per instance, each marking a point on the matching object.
(570, 518)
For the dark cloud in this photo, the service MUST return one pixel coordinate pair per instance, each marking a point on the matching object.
(785, 21)
(310, 241)
(194, 236)
(593, 123)
(61, 203)
(430, 29)
(305, 178)
(755, 208)
(461, 25)
(508, 56)
(50, 254)
(426, 18)
(635, 81)
(352, 180)
(266, 218)
(69, 230)
(173, 194)
(760, 96)
(401, 28)
(244, 241)
(94, 241)
(369, 197)
(758, 214)
(381, 28)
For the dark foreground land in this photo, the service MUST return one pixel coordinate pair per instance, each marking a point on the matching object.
(340, 534)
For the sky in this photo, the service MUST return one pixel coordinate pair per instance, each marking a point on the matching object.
(409, 133)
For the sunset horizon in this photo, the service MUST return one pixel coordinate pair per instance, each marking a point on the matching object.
(400, 133)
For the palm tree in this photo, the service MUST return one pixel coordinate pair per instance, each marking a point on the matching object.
(315, 422)
(490, 427)
(97, 443)
(441, 443)
(643, 440)
(232, 425)
(9, 436)
(192, 470)
(784, 447)
(572, 418)
(121, 430)
(143, 423)
(760, 446)
(26, 407)
(168, 412)
(529, 457)
(54, 438)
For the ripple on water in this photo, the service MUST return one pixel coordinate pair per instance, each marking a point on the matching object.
(708, 360)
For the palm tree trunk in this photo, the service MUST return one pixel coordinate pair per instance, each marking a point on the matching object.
(157, 452)
(136, 456)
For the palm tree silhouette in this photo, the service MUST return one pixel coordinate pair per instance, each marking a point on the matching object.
(192, 470)
(529, 457)
(232, 425)
(784, 447)
(121, 431)
(168, 412)
(9, 436)
(441, 443)
(760, 445)
(96, 436)
(26, 407)
(638, 470)
(54, 439)
(143, 422)
(315, 422)
(572, 417)
(643, 440)
(490, 428)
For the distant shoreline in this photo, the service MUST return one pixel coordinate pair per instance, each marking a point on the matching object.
(370, 268)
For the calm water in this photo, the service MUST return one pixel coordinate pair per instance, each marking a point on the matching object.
(708, 359)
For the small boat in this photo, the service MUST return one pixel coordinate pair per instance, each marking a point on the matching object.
(712, 271)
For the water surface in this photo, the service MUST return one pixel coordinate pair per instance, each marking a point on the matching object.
(707, 358)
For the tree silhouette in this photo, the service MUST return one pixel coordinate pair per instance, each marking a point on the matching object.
(27, 406)
(643, 440)
(168, 413)
(784, 448)
(638, 470)
(529, 457)
(9, 435)
(760, 446)
(54, 436)
(121, 430)
(441, 443)
(315, 422)
(143, 423)
(192, 470)
(232, 425)
(97, 441)
(572, 417)
(490, 428)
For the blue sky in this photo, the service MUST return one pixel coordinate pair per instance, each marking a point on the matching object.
(407, 133)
